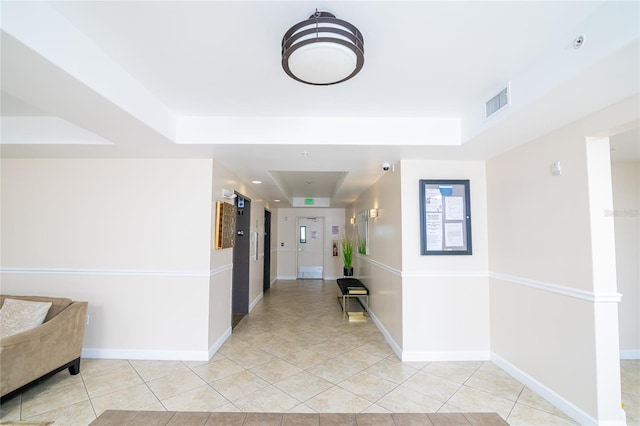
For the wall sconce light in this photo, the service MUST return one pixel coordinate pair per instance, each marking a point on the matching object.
(373, 213)
(227, 193)
(352, 220)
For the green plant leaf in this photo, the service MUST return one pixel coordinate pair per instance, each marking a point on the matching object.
(347, 252)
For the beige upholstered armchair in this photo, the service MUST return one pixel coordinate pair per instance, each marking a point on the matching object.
(31, 356)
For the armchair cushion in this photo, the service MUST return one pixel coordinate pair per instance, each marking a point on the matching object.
(17, 316)
(58, 304)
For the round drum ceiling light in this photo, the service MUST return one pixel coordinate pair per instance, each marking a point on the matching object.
(322, 50)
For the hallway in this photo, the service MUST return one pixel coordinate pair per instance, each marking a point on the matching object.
(295, 352)
(317, 357)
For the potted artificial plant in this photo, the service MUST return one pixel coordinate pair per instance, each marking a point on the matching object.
(347, 256)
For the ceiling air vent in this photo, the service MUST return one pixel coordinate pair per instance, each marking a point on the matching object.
(496, 103)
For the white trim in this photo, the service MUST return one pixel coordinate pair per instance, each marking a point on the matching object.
(392, 343)
(220, 269)
(144, 354)
(118, 272)
(423, 356)
(559, 289)
(539, 285)
(552, 397)
(287, 278)
(218, 343)
(381, 265)
(630, 354)
(255, 302)
(445, 274)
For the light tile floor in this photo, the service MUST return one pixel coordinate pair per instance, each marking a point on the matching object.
(297, 353)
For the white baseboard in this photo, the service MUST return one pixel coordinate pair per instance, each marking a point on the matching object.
(630, 354)
(157, 355)
(255, 302)
(144, 354)
(406, 356)
(392, 343)
(567, 407)
(423, 356)
(287, 278)
(218, 343)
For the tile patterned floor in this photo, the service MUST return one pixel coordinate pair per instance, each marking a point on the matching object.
(296, 353)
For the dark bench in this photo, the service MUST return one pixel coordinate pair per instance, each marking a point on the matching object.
(352, 287)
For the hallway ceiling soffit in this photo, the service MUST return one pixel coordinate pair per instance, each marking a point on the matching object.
(167, 83)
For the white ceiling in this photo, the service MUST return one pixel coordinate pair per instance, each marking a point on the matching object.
(204, 79)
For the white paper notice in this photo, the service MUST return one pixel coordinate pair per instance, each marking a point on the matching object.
(453, 235)
(433, 200)
(454, 208)
(434, 231)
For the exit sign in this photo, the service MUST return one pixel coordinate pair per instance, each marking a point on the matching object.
(311, 202)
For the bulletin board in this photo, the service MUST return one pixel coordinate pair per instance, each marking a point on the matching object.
(445, 217)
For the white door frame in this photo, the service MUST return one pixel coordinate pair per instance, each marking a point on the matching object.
(313, 271)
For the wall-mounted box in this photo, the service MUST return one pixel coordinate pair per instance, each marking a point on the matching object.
(225, 225)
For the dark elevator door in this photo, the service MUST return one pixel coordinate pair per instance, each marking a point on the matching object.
(266, 279)
(240, 287)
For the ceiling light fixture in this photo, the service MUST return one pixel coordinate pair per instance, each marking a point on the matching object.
(322, 50)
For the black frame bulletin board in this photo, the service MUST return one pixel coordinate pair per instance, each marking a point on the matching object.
(445, 217)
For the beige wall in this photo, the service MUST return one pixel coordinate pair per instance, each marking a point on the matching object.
(428, 307)
(106, 214)
(284, 239)
(445, 298)
(553, 299)
(380, 271)
(626, 205)
(221, 261)
(539, 222)
(129, 236)
(134, 238)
